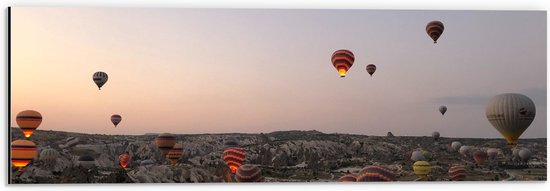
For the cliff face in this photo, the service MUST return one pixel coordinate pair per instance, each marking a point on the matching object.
(282, 156)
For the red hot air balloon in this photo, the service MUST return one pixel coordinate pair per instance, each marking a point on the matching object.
(249, 173)
(375, 174)
(116, 119)
(28, 121)
(342, 61)
(480, 157)
(434, 30)
(123, 159)
(234, 157)
(371, 68)
(457, 173)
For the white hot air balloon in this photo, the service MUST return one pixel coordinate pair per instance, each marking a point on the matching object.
(524, 154)
(435, 135)
(465, 150)
(511, 114)
(417, 156)
(456, 145)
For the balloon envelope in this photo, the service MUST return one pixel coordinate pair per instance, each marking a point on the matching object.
(249, 173)
(371, 68)
(175, 153)
(123, 159)
(510, 114)
(457, 173)
(422, 168)
(115, 119)
(28, 121)
(22, 152)
(100, 78)
(342, 60)
(435, 135)
(434, 30)
(165, 142)
(417, 156)
(442, 109)
(480, 157)
(348, 178)
(375, 174)
(233, 158)
(456, 145)
(524, 154)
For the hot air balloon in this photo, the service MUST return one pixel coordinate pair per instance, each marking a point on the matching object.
(48, 156)
(100, 78)
(371, 68)
(457, 173)
(175, 153)
(86, 161)
(249, 173)
(116, 119)
(165, 142)
(524, 154)
(22, 152)
(422, 168)
(342, 61)
(435, 135)
(28, 121)
(375, 174)
(456, 145)
(492, 153)
(465, 150)
(511, 114)
(123, 159)
(480, 157)
(233, 158)
(348, 178)
(442, 109)
(434, 30)
(427, 155)
(417, 156)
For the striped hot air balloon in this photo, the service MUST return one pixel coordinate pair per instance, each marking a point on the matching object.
(165, 142)
(422, 168)
(175, 153)
(375, 174)
(480, 157)
(116, 119)
(457, 173)
(100, 78)
(22, 153)
(249, 173)
(371, 68)
(124, 159)
(342, 61)
(48, 155)
(233, 157)
(28, 121)
(348, 178)
(434, 30)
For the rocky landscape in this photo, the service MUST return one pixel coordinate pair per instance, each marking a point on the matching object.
(284, 156)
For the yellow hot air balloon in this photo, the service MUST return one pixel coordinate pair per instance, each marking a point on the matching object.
(22, 152)
(511, 114)
(422, 168)
(28, 121)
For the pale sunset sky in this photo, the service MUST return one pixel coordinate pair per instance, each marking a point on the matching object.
(262, 70)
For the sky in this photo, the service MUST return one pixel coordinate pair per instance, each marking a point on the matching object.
(262, 70)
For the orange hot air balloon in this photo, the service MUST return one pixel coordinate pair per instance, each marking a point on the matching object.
(348, 178)
(175, 153)
(434, 30)
(28, 121)
(342, 61)
(22, 152)
(371, 68)
(123, 159)
(116, 119)
(165, 142)
(234, 157)
(249, 173)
